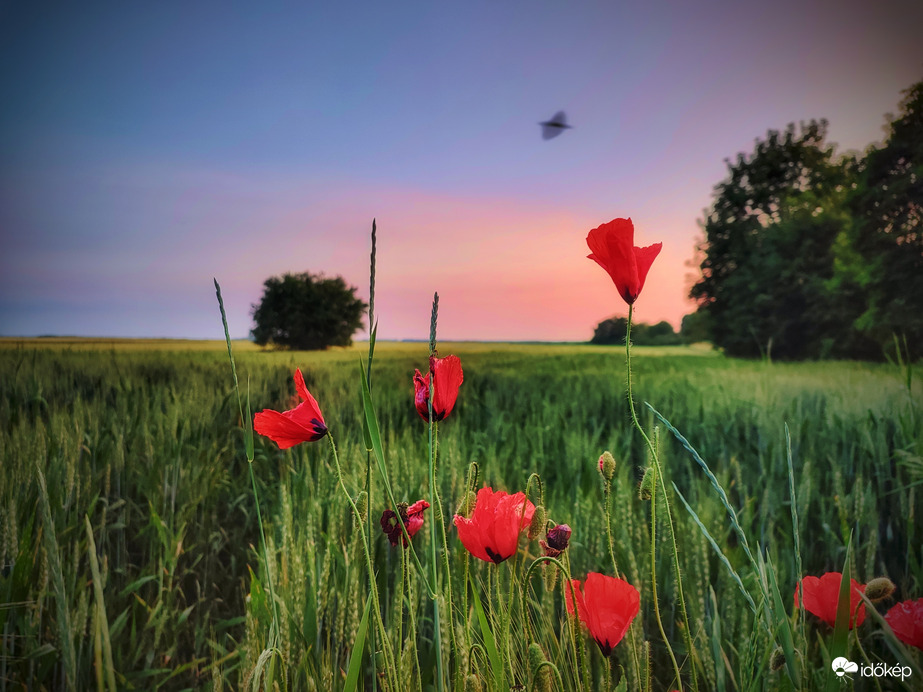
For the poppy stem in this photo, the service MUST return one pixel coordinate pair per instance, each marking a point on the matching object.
(386, 645)
(437, 635)
(656, 460)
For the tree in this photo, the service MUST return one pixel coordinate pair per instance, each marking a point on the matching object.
(880, 261)
(767, 247)
(306, 312)
(614, 329)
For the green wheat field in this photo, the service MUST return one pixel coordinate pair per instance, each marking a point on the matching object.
(131, 552)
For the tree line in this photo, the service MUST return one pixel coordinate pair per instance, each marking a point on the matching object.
(809, 254)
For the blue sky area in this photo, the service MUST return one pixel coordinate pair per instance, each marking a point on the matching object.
(148, 147)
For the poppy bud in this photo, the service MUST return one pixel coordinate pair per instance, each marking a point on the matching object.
(777, 660)
(541, 674)
(879, 589)
(607, 465)
(646, 491)
(537, 525)
(550, 576)
(362, 504)
(472, 683)
(466, 506)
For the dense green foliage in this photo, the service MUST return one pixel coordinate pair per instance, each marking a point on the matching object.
(613, 330)
(148, 446)
(307, 312)
(807, 254)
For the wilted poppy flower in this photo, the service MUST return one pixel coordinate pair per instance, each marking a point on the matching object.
(492, 531)
(412, 517)
(821, 596)
(612, 248)
(448, 378)
(606, 605)
(906, 619)
(556, 540)
(304, 423)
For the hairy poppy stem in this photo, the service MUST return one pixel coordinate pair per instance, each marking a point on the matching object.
(386, 645)
(655, 458)
(434, 495)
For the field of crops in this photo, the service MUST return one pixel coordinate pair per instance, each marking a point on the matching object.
(132, 555)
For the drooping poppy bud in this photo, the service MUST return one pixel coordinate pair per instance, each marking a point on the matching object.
(879, 589)
(537, 525)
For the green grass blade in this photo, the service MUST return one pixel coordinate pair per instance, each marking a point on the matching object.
(57, 579)
(248, 425)
(782, 625)
(721, 556)
(490, 643)
(355, 658)
(378, 451)
(838, 646)
(100, 607)
(735, 523)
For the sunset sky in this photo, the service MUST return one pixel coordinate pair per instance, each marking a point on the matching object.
(148, 147)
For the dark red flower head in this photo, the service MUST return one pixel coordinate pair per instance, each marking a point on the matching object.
(612, 248)
(606, 605)
(906, 619)
(412, 517)
(556, 540)
(492, 531)
(821, 597)
(448, 377)
(304, 423)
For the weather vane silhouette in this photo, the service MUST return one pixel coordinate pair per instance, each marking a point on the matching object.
(552, 128)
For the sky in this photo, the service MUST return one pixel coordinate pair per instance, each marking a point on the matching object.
(146, 148)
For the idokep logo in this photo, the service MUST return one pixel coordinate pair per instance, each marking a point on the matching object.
(841, 666)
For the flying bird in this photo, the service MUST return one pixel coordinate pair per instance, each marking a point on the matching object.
(552, 128)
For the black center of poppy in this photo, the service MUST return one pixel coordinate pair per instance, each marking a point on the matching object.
(605, 647)
(496, 557)
(319, 428)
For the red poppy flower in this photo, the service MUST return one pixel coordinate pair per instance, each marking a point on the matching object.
(613, 249)
(492, 531)
(821, 597)
(906, 619)
(304, 423)
(412, 517)
(448, 378)
(606, 605)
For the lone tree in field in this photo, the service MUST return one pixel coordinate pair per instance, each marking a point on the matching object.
(307, 312)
